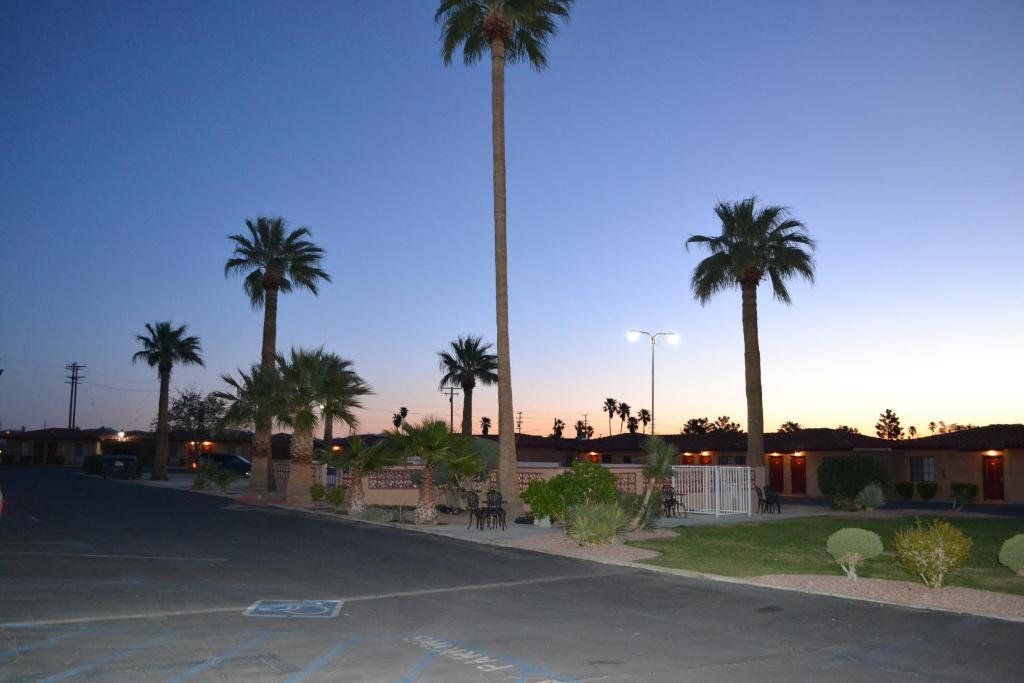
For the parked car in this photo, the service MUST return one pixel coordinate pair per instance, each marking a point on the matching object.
(230, 463)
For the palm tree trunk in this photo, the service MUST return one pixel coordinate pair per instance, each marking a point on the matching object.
(752, 363)
(467, 410)
(300, 477)
(262, 476)
(160, 457)
(425, 511)
(507, 465)
(357, 494)
(328, 431)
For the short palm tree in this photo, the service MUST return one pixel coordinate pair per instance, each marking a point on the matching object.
(433, 445)
(557, 428)
(251, 402)
(361, 460)
(485, 425)
(645, 417)
(624, 414)
(755, 245)
(611, 406)
(309, 380)
(511, 31)
(341, 406)
(273, 260)
(163, 347)
(398, 418)
(466, 362)
(659, 457)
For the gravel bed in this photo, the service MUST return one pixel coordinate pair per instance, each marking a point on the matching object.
(954, 598)
(560, 544)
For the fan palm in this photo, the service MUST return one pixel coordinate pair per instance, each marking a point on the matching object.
(611, 406)
(485, 425)
(361, 460)
(432, 444)
(163, 347)
(251, 402)
(309, 380)
(659, 457)
(273, 260)
(755, 244)
(511, 31)
(341, 405)
(467, 362)
(645, 417)
(398, 418)
(624, 414)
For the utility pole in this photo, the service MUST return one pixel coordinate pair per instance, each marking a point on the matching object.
(519, 422)
(73, 379)
(451, 392)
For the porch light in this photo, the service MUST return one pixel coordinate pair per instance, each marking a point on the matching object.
(335, 448)
(993, 453)
(120, 435)
(705, 452)
(798, 454)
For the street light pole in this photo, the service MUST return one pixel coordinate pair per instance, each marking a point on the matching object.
(671, 338)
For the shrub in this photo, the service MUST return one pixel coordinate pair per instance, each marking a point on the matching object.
(850, 547)
(1011, 555)
(205, 474)
(871, 497)
(223, 479)
(335, 497)
(93, 464)
(905, 489)
(963, 494)
(842, 478)
(317, 492)
(932, 551)
(586, 483)
(375, 513)
(927, 489)
(594, 523)
(630, 502)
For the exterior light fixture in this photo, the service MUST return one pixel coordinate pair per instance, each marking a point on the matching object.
(120, 435)
(670, 337)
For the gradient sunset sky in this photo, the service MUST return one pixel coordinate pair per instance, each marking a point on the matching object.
(136, 135)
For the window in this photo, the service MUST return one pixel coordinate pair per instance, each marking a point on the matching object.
(922, 468)
(732, 460)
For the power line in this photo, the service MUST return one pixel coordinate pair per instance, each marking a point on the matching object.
(451, 392)
(73, 379)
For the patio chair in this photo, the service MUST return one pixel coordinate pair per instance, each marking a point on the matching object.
(495, 509)
(762, 506)
(772, 501)
(670, 503)
(476, 513)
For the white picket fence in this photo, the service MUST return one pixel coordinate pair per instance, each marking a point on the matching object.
(714, 490)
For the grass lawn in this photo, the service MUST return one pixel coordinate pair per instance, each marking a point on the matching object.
(797, 546)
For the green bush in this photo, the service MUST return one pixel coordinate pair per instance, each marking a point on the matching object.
(317, 492)
(842, 478)
(963, 494)
(1011, 555)
(223, 479)
(335, 497)
(205, 475)
(932, 551)
(927, 489)
(595, 523)
(586, 483)
(905, 489)
(871, 497)
(850, 547)
(93, 464)
(630, 502)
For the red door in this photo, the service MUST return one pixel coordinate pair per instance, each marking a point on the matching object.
(705, 459)
(776, 474)
(797, 476)
(688, 458)
(992, 475)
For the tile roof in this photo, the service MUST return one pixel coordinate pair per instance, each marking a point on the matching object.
(992, 437)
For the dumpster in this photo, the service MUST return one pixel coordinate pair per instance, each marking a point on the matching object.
(121, 466)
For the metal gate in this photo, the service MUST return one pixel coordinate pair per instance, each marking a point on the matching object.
(713, 490)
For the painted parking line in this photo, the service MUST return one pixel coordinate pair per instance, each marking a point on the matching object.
(40, 643)
(321, 662)
(218, 660)
(420, 667)
(92, 556)
(96, 663)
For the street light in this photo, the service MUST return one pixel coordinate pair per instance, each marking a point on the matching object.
(671, 338)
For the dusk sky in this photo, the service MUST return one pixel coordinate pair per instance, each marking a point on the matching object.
(136, 135)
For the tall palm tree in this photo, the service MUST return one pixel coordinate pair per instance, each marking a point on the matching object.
(624, 411)
(309, 380)
(361, 460)
(645, 418)
(274, 260)
(465, 363)
(163, 347)
(755, 244)
(512, 31)
(659, 456)
(485, 425)
(341, 405)
(433, 445)
(398, 418)
(611, 406)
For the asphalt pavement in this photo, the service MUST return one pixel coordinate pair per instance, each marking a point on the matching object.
(112, 581)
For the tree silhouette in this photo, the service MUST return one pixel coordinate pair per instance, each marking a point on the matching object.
(789, 427)
(888, 426)
(724, 423)
(847, 429)
(611, 406)
(556, 430)
(485, 425)
(645, 417)
(624, 410)
(398, 418)
(632, 424)
(697, 425)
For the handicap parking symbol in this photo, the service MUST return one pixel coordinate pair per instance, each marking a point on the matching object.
(324, 609)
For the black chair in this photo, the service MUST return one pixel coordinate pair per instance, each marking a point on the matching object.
(670, 503)
(762, 506)
(476, 513)
(772, 501)
(495, 510)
